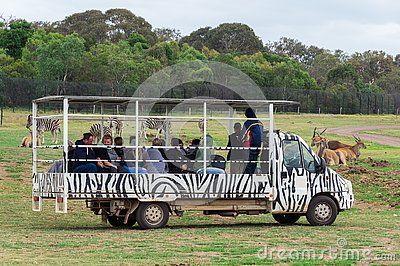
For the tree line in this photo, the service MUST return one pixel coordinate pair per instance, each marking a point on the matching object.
(121, 49)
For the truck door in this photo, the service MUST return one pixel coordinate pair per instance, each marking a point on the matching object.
(297, 171)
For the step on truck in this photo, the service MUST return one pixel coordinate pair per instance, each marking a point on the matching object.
(289, 181)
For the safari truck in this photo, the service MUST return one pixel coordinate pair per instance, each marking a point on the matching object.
(290, 180)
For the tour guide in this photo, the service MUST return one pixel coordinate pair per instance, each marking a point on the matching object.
(252, 138)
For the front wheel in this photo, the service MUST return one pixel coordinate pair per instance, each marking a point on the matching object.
(152, 215)
(322, 210)
(289, 218)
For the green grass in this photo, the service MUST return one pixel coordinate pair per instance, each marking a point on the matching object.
(385, 132)
(79, 237)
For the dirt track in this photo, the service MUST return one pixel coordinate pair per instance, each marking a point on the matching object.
(381, 139)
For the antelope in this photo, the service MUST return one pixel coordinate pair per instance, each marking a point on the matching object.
(27, 141)
(331, 157)
(332, 144)
(353, 152)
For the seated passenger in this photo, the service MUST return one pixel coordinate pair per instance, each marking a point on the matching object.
(199, 164)
(129, 158)
(105, 165)
(211, 170)
(176, 157)
(193, 148)
(162, 150)
(85, 153)
(58, 166)
(154, 154)
(178, 142)
(191, 152)
(118, 141)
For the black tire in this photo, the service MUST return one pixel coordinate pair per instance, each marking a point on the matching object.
(322, 210)
(118, 222)
(287, 218)
(152, 215)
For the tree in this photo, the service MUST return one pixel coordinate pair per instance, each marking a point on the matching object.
(226, 38)
(122, 23)
(13, 38)
(57, 57)
(295, 49)
(234, 38)
(198, 38)
(90, 25)
(117, 64)
(113, 25)
(321, 65)
(137, 39)
(345, 75)
(391, 81)
(371, 65)
(167, 34)
(20, 68)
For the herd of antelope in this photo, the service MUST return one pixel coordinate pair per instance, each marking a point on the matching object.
(335, 152)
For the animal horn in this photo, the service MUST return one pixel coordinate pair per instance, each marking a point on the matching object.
(315, 131)
(323, 131)
(357, 139)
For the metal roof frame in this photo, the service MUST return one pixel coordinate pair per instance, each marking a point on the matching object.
(127, 100)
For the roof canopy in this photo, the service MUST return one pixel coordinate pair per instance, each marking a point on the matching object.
(172, 101)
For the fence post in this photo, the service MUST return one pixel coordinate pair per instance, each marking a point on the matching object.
(1, 119)
(298, 110)
(340, 110)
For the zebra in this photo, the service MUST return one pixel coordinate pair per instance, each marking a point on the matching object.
(117, 124)
(98, 131)
(162, 125)
(45, 124)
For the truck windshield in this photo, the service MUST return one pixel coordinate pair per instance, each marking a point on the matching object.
(308, 159)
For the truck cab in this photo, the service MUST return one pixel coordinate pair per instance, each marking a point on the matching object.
(304, 185)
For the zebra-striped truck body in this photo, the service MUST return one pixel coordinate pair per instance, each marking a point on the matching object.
(286, 190)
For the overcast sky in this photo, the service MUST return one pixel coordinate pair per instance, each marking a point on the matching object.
(352, 25)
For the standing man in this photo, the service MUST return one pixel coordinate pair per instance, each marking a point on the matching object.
(236, 141)
(252, 138)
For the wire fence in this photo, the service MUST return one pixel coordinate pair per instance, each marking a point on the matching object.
(16, 92)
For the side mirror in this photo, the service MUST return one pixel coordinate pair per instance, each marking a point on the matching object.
(320, 168)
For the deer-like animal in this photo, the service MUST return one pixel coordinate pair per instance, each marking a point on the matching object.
(27, 141)
(332, 144)
(331, 157)
(353, 152)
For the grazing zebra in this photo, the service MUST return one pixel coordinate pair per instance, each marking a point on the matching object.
(46, 124)
(98, 131)
(117, 124)
(160, 124)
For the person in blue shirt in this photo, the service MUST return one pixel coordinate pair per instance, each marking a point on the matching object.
(85, 153)
(252, 137)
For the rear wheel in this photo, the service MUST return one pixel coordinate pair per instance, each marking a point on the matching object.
(322, 210)
(151, 215)
(287, 218)
(118, 221)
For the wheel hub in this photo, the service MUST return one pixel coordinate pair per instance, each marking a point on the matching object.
(322, 212)
(154, 214)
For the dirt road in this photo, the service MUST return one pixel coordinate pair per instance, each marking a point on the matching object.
(381, 139)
